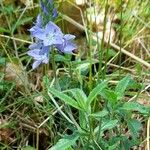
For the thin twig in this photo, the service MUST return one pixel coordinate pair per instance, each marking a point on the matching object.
(146, 88)
(16, 39)
(49, 117)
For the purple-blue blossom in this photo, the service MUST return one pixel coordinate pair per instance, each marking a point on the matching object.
(37, 28)
(40, 53)
(67, 46)
(51, 35)
(39, 21)
(48, 35)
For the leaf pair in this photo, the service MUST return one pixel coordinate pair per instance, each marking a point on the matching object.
(80, 100)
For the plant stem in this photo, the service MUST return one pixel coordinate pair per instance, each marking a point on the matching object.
(54, 64)
(101, 50)
(55, 69)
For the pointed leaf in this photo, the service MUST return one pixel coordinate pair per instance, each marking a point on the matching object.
(109, 95)
(80, 97)
(107, 125)
(65, 143)
(96, 91)
(134, 126)
(122, 86)
(68, 100)
(100, 114)
(134, 106)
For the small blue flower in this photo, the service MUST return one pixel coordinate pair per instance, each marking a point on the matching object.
(51, 35)
(37, 28)
(67, 46)
(48, 35)
(37, 32)
(39, 21)
(39, 53)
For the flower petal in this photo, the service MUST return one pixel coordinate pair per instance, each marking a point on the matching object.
(36, 64)
(38, 21)
(69, 37)
(69, 47)
(37, 32)
(52, 27)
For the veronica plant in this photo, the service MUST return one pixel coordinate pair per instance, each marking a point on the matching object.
(48, 35)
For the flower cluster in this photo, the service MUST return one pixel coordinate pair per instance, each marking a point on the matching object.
(47, 37)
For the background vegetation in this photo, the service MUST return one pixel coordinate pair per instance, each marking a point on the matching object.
(98, 98)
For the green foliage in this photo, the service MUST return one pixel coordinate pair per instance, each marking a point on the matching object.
(109, 119)
(122, 86)
(86, 106)
(134, 106)
(28, 148)
(96, 91)
(65, 143)
(100, 114)
(64, 98)
(134, 126)
(2, 61)
(21, 22)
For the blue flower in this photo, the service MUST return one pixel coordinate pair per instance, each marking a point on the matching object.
(67, 46)
(39, 21)
(51, 35)
(48, 35)
(39, 53)
(37, 28)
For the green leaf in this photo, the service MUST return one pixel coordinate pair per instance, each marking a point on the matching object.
(2, 61)
(80, 97)
(82, 120)
(68, 100)
(135, 126)
(61, 58)
(107, 125)
(7, 9)
(122, 86)
(114, 146)
(65, 142)
(109, 95)
(100, 114)
(134, 106)
(28, 148)
(2, 30)
(111, 53)
(134, 85)
(96, 91)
